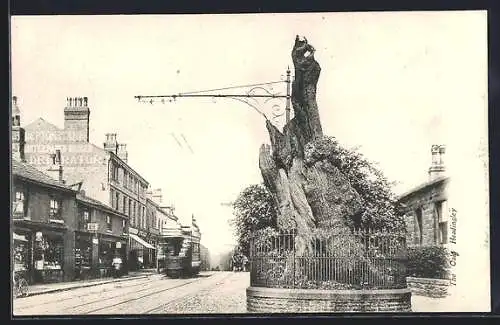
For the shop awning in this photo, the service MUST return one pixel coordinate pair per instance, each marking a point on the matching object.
(18, 237)
(141, 241)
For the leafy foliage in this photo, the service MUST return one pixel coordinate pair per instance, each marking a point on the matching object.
(428, 262)
(381, 209)
(254, 210)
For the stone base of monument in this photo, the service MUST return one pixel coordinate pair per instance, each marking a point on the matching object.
(276, 300)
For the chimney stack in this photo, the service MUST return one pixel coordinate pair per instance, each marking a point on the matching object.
(437, 168)
(111, 144)
(56, 169)
(122, 152)
(18, 140)
(77, 117)
(157, 196)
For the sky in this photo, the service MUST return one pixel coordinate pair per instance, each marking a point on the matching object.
(391, 83)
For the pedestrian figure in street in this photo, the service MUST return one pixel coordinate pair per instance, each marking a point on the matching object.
(117, 266)
(245, 263)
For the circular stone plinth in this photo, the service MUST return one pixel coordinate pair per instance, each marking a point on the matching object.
(275, 300)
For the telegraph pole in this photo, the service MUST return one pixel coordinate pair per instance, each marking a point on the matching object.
(260, 91)
(288, 96)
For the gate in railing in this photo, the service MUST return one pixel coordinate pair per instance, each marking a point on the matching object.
(275, 263)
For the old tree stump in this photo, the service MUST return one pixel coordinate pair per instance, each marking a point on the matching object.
(321, 199)
(310, 192)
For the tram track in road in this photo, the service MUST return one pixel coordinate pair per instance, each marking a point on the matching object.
(136, 298)
(187, 296)
(116, 285)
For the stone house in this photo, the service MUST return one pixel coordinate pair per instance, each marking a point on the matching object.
(426, 206)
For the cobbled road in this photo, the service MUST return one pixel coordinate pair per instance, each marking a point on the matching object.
(215, 292)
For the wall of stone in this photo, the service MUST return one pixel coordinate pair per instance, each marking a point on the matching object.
(275, 300)
(424, 198)
(434, 288)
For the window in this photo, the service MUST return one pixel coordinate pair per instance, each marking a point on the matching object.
(112, 193)
(109, 225)
(117, 201)
(135, 213)
(86, 216)
(125, 179)
(418, 239)
(55, 209)
(124, 207)
(144, 217)
(20, 206)
(124, 225)
(114, 172)
(442, 222)
(129, 207)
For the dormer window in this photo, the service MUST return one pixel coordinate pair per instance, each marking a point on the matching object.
(20, 206)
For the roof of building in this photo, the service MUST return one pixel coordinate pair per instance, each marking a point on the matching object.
(30, 173)
(85, 199)
(40, 123)
(423, 186)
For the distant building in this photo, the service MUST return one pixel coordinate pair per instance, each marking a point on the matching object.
(426, 209)
(205, 258)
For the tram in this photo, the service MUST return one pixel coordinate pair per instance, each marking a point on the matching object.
(181, 251)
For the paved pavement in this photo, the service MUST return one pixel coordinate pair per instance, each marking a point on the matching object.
(55, 287)
(210, 292)
(214, 292)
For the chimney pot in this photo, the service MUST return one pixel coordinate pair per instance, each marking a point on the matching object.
(437, 168)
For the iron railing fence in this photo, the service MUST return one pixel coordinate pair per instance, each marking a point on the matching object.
(369, 260)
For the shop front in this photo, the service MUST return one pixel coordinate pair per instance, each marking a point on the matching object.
(39, 252)
(111, 247)
(83, 256)
(141, 253)
(21, 249)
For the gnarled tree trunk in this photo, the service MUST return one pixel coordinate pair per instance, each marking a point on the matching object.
(309, 193)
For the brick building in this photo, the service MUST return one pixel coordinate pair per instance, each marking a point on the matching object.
(60, 234)
(103, 173)
(426, 206)
(43, 225)
(101, 234)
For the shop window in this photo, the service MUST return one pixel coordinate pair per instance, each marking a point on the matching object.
(109, 224)
(20, 206)
(20, 254)
(55, 209)
(49, 259)
(105, 254)
(83, 253)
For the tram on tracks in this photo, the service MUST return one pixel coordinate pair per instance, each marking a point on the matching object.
(180, 251)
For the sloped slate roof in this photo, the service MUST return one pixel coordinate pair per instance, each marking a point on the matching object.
(99, 204)
(41, 124)
(422, 186)
(28, 172)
